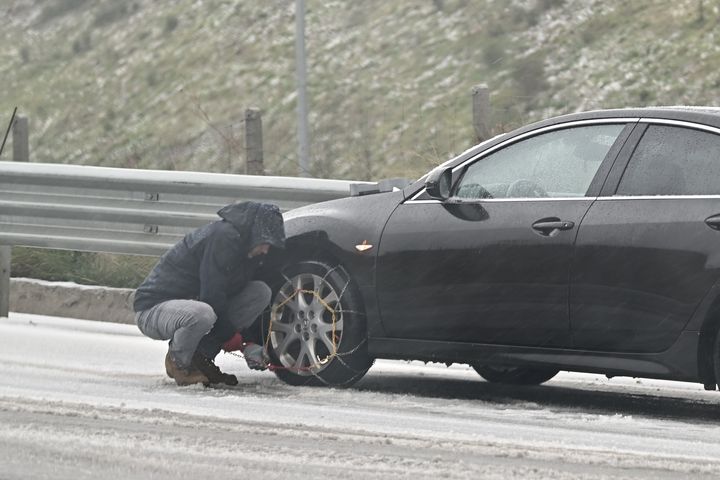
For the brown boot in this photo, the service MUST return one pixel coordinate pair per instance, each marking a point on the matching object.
(183, 376)
(212, 371)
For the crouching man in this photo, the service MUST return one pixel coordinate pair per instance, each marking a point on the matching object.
(201, 292)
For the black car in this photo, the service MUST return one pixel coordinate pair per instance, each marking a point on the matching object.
(586, 242)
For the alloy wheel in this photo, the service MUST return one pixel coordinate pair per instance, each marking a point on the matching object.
(306, 323)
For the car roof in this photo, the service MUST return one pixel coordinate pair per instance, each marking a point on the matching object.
(701, 114)
(697, 114)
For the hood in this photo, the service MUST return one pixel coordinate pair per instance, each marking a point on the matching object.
(263, 222)
(241, 215)
(268, 227)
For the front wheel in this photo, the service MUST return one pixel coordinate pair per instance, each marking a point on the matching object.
(316, 331)
(515, 375)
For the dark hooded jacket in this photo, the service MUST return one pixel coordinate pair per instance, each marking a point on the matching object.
(211, 263)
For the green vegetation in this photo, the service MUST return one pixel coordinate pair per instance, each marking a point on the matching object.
(57, 8)
(110, 12)
(122, 271)
(164, 84)
(171, 23)
(82, 43)
(389, 82)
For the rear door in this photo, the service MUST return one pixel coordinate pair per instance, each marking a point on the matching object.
(648, 249)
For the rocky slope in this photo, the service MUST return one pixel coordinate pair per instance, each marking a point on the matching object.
(164, 84)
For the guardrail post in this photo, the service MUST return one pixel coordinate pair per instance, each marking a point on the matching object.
(253, 142)
(4, 281)
(481, 112)
(21, 153)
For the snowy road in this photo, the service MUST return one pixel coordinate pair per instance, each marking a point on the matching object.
(85, 399)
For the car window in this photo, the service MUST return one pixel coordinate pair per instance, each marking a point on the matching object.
(561, 163)
(673, 161)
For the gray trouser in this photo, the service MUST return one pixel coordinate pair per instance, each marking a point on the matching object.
(186, 322)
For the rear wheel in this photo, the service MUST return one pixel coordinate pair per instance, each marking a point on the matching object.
(515, 375)
(716, 358)
(316, 331)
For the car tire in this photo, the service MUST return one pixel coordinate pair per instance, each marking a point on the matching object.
(313, 302)
(716, 358)
(515, 375)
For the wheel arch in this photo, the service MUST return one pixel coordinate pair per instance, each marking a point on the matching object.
(333, 231)
(316, 245)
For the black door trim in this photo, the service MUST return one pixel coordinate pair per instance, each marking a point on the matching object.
(618, 168)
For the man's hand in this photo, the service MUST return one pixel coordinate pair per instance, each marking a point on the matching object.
(235, 343)
(255, 356)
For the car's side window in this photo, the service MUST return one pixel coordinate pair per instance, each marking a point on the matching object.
(673, 161)
(561, 163)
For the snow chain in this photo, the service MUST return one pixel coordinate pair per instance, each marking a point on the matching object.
(334, 353)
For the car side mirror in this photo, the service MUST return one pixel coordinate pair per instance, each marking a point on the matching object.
(438, 183)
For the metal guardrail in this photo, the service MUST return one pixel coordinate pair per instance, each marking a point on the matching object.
(141, 212)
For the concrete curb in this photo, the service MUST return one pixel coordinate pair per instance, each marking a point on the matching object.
(66, 299)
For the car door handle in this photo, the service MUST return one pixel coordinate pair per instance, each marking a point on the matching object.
(713, 222)
(549, 226)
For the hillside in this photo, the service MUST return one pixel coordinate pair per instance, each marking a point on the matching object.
(164, 84)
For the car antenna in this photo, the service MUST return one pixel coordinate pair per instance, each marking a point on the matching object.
(12, 118)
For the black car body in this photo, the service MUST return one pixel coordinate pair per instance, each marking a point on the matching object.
(587, 242)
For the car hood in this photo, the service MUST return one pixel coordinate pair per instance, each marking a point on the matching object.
(345, 221)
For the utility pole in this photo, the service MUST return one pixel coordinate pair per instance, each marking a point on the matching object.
(303, 136)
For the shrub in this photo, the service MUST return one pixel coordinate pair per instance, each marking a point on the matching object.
(493, 50)
(529, 73)
(25, 54)
(110, 12)
(151, 78)
(646, 95)
(82, 44)
(544, 5)
(57, 8)
(171, 23)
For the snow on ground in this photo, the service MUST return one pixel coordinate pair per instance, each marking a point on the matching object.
(82, 399)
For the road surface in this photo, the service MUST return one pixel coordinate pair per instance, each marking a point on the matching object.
(81, 399)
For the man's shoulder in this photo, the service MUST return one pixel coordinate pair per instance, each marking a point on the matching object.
(224, 229)
(225, 236)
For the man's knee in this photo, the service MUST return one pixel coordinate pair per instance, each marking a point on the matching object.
(203, 315)
(261, 293)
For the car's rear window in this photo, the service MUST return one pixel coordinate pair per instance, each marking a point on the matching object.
(673, 161)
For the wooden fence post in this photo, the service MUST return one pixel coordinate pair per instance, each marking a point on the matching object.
(21, 148)
(253, 142)
(21, 153)
(481, 112)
